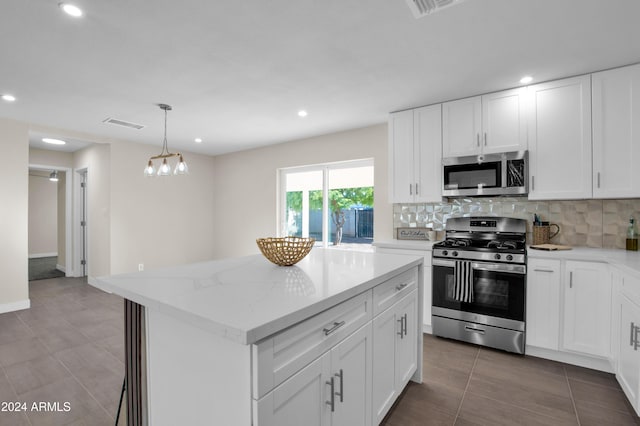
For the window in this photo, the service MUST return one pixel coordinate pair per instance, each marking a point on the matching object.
(332, 203)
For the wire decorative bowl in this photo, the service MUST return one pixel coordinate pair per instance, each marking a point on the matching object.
(285, 251)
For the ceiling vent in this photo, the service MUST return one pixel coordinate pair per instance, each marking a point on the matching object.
(422, 8)
(123, 123)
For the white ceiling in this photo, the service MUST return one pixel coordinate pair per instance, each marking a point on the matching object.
(237, 72)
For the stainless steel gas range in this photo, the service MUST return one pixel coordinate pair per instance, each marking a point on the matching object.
(479, 282)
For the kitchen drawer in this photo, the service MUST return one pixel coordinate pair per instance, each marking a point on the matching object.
(631, 288)
(279, 357)
(389, 292)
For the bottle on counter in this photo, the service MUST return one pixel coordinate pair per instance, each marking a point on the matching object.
(632, 236)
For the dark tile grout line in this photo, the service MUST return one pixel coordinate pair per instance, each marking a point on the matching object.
(464, 393)
(49, 352)
(573, 401)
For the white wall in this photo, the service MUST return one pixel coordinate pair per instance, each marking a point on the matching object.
(245, 199)
(50, 158)
(159, 221)
(14, 213)
(96, 159)
(43, 215)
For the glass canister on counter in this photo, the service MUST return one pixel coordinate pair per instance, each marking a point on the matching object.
(632, 235)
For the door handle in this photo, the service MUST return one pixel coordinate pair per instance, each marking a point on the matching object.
(401, 286)
(404, 323)
(571, 279)
(332, 399)
(543, 270)
(341, 393)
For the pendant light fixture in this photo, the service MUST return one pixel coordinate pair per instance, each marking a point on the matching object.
(165, 168)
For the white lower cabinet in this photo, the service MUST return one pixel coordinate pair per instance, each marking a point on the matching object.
(394, 353)
(338, 386)
(587, 308)
(543, 303)
(427, 294)
(628, 338)
(628, 371)
(333, 390)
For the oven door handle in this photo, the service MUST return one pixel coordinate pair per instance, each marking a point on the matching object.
(442, 262)
(499, 267)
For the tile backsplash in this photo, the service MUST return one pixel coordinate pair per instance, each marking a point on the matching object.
(583, 223)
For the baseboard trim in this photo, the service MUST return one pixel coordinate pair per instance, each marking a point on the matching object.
(15, 306)
(38, 255)
(61, 268)
(426, 328)
(571, 358)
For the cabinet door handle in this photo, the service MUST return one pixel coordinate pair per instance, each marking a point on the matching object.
(400, 333)
(478, 139)
(405, 324)
(631, 337)
(401, 286)
(636, 342)
(533, 183)
(336, 325)
(485, 138)
(417, 189)
(571, 279)
(410, 189)
(341, 393)
(543, 270)
(332, 398)
(598, 179)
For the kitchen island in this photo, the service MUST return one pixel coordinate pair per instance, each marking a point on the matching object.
(333, 339)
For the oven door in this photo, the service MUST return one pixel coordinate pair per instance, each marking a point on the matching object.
(498, 293)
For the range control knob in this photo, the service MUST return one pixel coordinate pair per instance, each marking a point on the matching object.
(445, 253)
(509, 257)
(497, 256)
(455, 253)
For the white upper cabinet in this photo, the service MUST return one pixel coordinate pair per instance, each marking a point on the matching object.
(559, 128)
(461, 127)
(504, 121)
(491, 123)
(616, 132)
(415, 155)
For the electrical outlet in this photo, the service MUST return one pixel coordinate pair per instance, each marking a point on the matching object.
(140, 266)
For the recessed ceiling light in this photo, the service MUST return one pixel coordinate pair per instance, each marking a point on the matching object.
(526, 79)
(53, 141)
(198, 140)
(71, 10)
(302, 113)
(8, 98)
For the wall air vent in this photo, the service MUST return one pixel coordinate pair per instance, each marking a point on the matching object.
(422, 8)
(123, 123)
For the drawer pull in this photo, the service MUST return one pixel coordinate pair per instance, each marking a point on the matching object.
(401, 286)
(341, 393)
(473, 330)
(332, 400)
(336, 325)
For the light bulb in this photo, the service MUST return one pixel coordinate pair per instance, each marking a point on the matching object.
(165, 169)
(149, 170)
(181, 167)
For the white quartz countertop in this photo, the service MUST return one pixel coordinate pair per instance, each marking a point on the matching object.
(247, 299)
(629, 261)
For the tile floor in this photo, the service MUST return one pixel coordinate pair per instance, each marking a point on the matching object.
(69, 348)
(469, 385)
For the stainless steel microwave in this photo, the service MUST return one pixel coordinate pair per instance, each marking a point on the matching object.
(482, 175)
